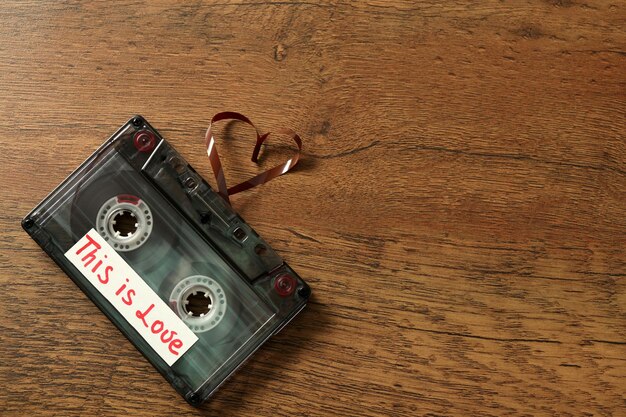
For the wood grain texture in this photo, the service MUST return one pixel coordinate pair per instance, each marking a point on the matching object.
(460, 211)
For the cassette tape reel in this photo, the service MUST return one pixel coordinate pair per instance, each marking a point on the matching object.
(159, 235)
(124, 219)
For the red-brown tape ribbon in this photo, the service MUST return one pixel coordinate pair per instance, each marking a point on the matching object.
(263, 177)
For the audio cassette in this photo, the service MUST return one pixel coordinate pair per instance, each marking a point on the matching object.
(167, 259)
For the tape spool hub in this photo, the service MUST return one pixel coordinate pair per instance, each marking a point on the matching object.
(125, 222)
(200, 302)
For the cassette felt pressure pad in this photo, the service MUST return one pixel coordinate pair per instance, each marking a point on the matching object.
(184, 277)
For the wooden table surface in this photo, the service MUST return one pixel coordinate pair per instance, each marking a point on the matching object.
(460, 211)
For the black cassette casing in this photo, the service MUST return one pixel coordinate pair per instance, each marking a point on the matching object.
(193, 233)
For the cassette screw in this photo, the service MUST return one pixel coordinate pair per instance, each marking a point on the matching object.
(137, 121)
(28, 223)
(304, 292)
(144, 141)
(285, 285)
(194, 399)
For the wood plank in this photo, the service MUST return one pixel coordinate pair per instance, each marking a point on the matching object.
(460, 212)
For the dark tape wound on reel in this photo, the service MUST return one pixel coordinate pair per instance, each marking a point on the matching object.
(114, 204)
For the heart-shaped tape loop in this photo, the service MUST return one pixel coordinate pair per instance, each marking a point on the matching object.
(263, 177)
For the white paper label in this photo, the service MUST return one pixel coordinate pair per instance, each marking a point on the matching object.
(131, 296)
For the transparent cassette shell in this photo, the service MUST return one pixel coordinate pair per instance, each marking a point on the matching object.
(188, 245)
